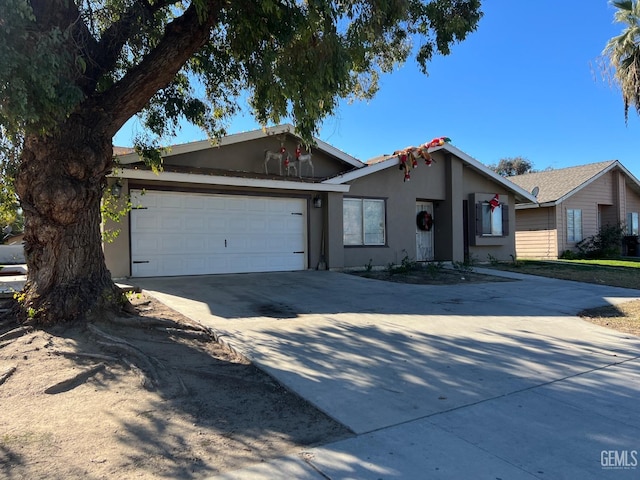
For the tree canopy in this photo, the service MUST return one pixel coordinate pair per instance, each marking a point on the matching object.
(509, 167)
(622, 54)
(175, 60)
(72, 72)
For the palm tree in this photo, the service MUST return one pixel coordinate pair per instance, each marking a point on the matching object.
(622, 54)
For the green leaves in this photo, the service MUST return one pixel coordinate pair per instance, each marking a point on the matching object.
(294, 59)
(622, 54)
(35, 72)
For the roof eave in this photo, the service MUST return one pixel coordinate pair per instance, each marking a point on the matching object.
(520, 193)
(135, 174)
(245, 137)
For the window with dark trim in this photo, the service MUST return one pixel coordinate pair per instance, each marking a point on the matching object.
(363, 221)
(492, 221)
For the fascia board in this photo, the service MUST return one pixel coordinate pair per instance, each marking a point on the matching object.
(226, 181)
(244, 137)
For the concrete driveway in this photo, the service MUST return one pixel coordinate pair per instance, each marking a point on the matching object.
(492, 380)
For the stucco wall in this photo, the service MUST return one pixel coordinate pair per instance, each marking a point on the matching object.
(249, 157)
(427, 183)
(478, 188)
(447, 183)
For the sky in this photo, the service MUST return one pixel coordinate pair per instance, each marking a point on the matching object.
(526, 83)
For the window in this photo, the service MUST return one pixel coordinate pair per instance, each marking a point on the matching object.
(363, 221)
(632, 223)
(491, 219)
(492, 222)
(574, 225)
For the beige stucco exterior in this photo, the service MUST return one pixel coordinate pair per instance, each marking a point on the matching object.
(452, 185)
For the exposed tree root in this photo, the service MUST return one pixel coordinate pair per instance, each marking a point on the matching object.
(76, 380)
(185, 390)
(94, 356)
(195, 334)
(171, 326)
(6, 374)
(122, 346)
(145, 381)
(16, 333)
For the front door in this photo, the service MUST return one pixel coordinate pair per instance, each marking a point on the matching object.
(424, 231)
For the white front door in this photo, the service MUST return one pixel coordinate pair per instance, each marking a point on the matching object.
(177, 233)
(424, 238)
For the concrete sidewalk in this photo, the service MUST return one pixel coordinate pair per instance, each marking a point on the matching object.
(493, 380)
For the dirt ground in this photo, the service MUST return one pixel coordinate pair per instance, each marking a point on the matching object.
(429, 276)
(169, 403)
(623, 318)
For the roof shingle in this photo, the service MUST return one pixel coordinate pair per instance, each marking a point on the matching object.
(555, 184)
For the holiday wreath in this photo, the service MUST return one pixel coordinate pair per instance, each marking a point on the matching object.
(424, 221)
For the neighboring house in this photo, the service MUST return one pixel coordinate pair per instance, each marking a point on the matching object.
(572, 204)
(214, 209)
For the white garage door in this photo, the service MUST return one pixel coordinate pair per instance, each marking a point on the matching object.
(175, 233)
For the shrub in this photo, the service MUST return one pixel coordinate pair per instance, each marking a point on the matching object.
(568, 255)
(605, 244)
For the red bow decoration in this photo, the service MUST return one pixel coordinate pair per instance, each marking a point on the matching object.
(494, 202)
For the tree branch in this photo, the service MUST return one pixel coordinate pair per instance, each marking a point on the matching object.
(183, 37)
(110, 46)
(65, 16)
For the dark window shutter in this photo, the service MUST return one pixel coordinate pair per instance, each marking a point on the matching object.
(479, 219)
(505, 220)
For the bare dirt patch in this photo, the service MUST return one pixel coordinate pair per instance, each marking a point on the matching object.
(624, 317)
(170, 403)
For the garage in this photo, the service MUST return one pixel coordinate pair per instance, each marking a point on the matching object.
(177, 233)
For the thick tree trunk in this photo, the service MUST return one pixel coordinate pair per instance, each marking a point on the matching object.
(60, 184)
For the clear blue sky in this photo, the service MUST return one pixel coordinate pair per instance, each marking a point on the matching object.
(526, 83)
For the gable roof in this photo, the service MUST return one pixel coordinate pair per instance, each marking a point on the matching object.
(381, 163)
(131, 157)
(555, 186)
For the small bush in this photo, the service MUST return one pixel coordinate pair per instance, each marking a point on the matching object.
(463, 267)
(406, 265)
(606, 243)
(434, 268)
(493, 260)
(568, 255)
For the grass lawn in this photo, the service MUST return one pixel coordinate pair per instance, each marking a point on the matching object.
(618, 273)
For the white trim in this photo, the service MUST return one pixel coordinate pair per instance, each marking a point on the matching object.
(227, 181)
(368, 170)
(472, 162)
(555, 203)
(245, 137)
(490, 173)
(597, 176)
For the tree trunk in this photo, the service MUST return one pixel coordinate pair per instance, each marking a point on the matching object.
(60, 184)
